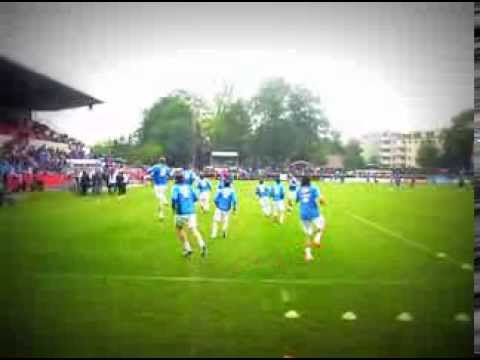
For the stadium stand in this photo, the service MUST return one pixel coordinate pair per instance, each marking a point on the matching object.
(32, 154)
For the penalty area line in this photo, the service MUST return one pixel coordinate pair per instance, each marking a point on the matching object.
(402, 238)
(194, 279)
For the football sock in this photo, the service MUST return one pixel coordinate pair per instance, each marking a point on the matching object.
(200, 241)
(214, 229)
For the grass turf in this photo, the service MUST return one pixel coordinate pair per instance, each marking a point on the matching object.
(103, 276)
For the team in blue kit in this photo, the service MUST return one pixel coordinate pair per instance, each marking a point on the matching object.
(225, 202)
(204, 187)
(277, 194)
(159, 174)
(183, 205)
(309, 197)
(263, 195)
(190, 189)
(292, 192)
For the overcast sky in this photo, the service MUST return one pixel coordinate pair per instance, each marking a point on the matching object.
(375, 66)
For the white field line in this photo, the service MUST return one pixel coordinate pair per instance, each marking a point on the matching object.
(194, 279)
(405, 240)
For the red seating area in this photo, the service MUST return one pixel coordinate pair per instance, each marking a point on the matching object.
(24, 181)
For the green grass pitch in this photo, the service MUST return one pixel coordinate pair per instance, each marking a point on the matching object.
(103, 276)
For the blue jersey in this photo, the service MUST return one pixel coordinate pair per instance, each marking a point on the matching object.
(276, 192)
(183, 199)
(307, 196)
(190, 177)
(204, 185)
(292, 185)
(159, 174)
(226, 199)
(262, 191)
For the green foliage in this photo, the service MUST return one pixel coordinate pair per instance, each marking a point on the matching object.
(428, 155)
(281, 123)
(374, 160)
(458, 142)
(353, 155)
(170, 122)
(100, 276)
(144, 154)
(288, 123)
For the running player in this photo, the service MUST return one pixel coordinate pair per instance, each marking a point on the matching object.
(225, 201)
(183, 204)
(277, 194)
(190, 176)
(313, 222)
(204, 187)
(292, 192)
(263, 194)
(159, 174)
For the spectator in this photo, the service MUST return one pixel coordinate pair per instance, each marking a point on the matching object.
(84, 182)
(112, 181)
(122, 182)
(97, 181)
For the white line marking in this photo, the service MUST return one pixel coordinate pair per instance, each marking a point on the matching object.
(410, 242)
(193, 279)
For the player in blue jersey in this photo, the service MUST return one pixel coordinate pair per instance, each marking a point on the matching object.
(159, 174)
(183, 204)
(190, 176)
(221, 180)
(225, 202)
(310, 198)
(263, 194)
(204, 187)
(277, 194)
(292, 192)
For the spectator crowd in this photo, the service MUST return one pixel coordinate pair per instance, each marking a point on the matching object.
(30, 149)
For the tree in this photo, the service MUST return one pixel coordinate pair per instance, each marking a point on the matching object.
(307, 124)
(458, 142)
(103, 148)
(374, 160)
(428, 155)
(231, 129)
(144, 154)
(272, 137)
(171, 122)
(288, 124)
(353, 155)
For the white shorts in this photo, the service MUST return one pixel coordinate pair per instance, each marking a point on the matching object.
(278, 206)
(160, 191)
(264, 202)
(220, 215)
(204, 196)
(318, 223)
(292, 195)
(186, 220)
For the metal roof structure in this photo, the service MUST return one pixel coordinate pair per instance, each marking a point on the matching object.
(22, 88)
